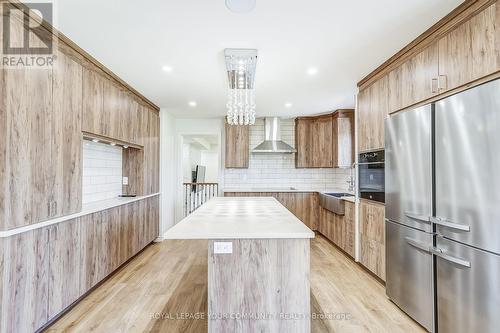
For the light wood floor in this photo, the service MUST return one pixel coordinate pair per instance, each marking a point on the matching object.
(169, 279)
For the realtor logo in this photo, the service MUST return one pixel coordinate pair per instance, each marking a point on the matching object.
(25, 42)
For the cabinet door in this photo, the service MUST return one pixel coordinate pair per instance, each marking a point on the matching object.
(237, 146)
(350, 225)
(322, 143)
(415, 80)
(303, 143)
(112, 109)
(94, 120)
(64, 265)
(67, 133)
(150, 123)
(471, 50)
(363, 119)
(343, 139)
(372, 237)
(26, 120)
(379, 108)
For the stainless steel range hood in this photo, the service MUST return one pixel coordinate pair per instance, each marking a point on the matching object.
(272, 142)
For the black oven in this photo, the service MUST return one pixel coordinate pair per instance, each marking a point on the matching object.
(371, 175)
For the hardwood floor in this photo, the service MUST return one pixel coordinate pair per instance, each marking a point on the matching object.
(167, 282)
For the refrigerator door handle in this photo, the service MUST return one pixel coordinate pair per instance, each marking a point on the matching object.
(419, 245)
(442, 254)
(422, 218)
(448, 224)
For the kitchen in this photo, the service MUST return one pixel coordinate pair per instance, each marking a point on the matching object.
(344, 186)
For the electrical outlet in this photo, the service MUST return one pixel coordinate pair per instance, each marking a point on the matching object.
(223, 247)
(125, 181)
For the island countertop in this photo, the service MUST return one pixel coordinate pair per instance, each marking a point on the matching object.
(240, 218)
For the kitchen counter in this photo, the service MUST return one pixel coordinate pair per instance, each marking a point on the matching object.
(88, 208)
(287, 190)
(240, 218)
(258, 263)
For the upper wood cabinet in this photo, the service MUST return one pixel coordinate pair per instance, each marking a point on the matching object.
(470, 51)
(325, 141)
(108, 109)
(40, 144)
(237, 146)
(322, 142)
(414, 80)
(373, 107)
(343, 138)
(372, 237)
(303, 142)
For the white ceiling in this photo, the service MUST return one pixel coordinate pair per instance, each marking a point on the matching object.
(344, 40)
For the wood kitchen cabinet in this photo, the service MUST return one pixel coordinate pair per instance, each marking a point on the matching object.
(343, 138)
(373, 107)
(237, 146)
(470, 51)
(339, 229)
(303, 142)
(322, 142)
(414, 80)
(40, 145)
(372, 237)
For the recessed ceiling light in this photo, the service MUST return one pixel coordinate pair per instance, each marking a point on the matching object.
(167, 69)
(95, 140)
(113, 144)
(288, 105)
(125, 146)
(312, 71)
(192, 104)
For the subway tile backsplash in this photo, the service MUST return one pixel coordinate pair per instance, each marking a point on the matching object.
(278, 170)
(102, 171)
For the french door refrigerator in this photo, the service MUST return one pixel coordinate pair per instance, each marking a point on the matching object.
(443, 211)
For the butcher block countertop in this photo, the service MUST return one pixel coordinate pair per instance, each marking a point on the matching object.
(240, 218)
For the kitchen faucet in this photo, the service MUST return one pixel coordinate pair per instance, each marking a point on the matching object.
(351, 180)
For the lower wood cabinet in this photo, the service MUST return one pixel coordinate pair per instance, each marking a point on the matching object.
(372, 237)
(304, 205)
(45, 270)
(340, 229)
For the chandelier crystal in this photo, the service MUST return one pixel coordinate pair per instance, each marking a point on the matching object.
(241, 64)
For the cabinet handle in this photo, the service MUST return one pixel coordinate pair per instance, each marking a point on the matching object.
(442, 82)
(434, 85)
(442, 254)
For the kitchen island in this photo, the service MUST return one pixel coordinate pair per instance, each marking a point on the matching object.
(258, 264)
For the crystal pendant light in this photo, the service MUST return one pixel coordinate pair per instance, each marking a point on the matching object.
(241, 64)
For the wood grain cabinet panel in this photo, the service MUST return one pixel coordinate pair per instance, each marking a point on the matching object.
(67, 132)
(65, 267)
(322, 142)
(94, 119)
(415, 80)
(237, 146)
(24, 265)
(373, 107)
(471, 51)
(303, 142)
(372, 237)
(343, 138)
(338, 228)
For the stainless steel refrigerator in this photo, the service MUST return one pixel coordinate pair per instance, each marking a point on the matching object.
(443, 211)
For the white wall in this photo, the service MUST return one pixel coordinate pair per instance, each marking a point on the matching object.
(278, 170)
(167, 171)
(210, 159)
(102, 171)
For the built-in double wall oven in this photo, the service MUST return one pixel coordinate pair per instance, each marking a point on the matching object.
(371, 175)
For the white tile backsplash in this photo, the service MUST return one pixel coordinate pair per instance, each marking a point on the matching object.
(278, 170)
(102, 171)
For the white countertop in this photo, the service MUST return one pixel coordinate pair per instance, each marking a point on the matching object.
(240, 218)
(88, 208)
(286, 190)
